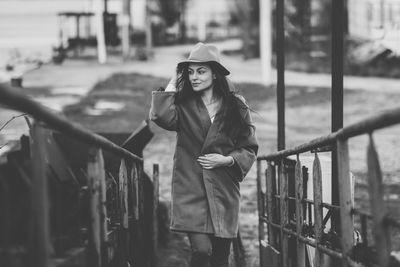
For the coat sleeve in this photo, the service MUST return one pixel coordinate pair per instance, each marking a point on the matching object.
(245, 151)
(163, 110)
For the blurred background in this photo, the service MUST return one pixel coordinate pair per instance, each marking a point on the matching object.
(97, 61)
(33, 30)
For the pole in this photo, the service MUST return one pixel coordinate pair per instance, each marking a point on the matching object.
(101, 41)
(265, 41)
(280, 55)
(149, 32)
(106, 6)
(182, 22)
(337, 94)
(125, 22)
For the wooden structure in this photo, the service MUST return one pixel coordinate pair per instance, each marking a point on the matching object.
(292, 223)
(84, 37)
(70, 197)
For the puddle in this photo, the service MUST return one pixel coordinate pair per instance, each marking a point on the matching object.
(80, 91)
(57, 103)
(103, 106)
(392, 197)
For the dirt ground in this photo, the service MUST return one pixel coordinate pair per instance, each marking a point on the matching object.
(307, 117)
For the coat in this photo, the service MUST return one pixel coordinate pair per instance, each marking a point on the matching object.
(203, 201)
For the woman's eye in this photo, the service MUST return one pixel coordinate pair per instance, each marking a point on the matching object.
(201, 72)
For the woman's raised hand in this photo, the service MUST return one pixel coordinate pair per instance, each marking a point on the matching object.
(214, 160)
(171, 87)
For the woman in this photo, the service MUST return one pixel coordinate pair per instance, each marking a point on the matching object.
(216, 146)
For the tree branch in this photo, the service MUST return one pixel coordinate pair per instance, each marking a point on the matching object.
(10, 120)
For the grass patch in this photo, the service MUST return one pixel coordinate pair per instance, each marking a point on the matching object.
(134, 90)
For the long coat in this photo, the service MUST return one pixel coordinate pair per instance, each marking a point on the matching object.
(204, 201)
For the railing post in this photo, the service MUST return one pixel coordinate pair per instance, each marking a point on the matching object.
(39, 232)
(123, 209)
(317, 188)
(283, 182)
(301, 250)
(346, 218)
(280, 62)
(98, 213)
(380, 231)
(140, 189)
(155, 214)
(271, 204)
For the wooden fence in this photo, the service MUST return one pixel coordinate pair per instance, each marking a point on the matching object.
(291, 224)
(70, 197)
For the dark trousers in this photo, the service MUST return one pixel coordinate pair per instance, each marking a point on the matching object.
(209, 251)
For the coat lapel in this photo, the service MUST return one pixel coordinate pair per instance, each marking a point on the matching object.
(204, 117)
(212, 133)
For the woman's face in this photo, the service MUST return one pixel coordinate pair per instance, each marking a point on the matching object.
(201, 77)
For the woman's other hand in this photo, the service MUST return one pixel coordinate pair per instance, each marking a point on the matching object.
(214, 160)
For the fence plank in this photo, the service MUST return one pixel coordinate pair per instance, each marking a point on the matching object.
(317, 188)
(301, 260)
(345, 200)
(103, 208)
(283, 182)
(141, 195)
(123, 194)
(380, 232)
(123, 209)
(155, 213)
(98, 214)
(135, 197)
(40, 246)
(261, 213)
(270, 191)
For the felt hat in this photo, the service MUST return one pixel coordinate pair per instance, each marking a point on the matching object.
(205, 53)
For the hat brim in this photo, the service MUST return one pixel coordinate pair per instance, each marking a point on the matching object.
(221, 68)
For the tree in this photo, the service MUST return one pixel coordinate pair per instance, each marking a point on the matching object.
(246, 12)
(169, 11)
(173, 11)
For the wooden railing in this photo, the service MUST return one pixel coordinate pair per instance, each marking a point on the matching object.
(290, 223)
(70, 197)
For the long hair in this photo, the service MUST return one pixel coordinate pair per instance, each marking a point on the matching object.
(232, 107)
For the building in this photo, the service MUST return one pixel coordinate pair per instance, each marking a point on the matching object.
(376, 20)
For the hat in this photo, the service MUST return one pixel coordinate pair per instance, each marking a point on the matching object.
(205, 53)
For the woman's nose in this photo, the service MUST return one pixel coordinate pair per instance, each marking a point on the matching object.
(194, 76)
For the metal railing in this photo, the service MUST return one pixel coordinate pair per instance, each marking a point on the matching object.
(294, 222)
(78, 206)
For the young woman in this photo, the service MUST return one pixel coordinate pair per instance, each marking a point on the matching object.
(216, 146)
